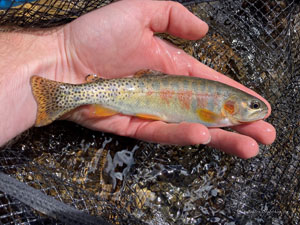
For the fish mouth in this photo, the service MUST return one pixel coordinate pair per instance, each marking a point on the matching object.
(246, 122)
(260, 115)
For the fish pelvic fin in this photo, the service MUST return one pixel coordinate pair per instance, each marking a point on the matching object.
(148, 116)
(49, 96)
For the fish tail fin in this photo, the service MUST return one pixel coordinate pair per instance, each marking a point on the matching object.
(50, 100)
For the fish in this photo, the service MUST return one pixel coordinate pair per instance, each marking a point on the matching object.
(150, 95)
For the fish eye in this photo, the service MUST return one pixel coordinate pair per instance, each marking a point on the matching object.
(254, 104)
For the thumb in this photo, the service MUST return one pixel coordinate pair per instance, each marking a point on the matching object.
(175, 19)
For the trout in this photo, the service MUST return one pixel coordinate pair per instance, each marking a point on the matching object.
(150, 95)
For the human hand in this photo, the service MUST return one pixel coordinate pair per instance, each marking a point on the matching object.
(119, 40)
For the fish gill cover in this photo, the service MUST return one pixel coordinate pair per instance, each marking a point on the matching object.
(126, 181)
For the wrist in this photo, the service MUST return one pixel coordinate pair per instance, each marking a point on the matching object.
(22, 55)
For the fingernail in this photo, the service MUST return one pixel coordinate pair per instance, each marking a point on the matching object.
(208, 140)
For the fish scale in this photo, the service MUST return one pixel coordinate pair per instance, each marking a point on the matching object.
(150, 95)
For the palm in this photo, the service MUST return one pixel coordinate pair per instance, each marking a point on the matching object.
(117, 45)
(119, 40)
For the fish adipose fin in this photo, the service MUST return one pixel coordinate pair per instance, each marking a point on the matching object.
(141, 73)
(48, 95)
(92, 78)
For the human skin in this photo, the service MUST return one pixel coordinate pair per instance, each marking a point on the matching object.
(116, 41)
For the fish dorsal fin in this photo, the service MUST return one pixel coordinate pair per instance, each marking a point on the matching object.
(148, 72)
(92, 78)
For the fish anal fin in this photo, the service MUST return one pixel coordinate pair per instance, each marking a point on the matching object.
(101, 111)
(207, 115)
(148, 116)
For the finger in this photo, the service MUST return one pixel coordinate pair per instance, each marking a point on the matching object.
(200, 70)
(233, 143)
(174, 60)
(179, 134)
(261, 131)
(175, 19)
(156, 131)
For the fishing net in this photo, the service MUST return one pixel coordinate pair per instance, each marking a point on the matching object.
(126, 181)
(44, 13)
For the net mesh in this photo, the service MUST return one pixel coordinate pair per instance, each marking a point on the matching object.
(45, 13)
(254, 42)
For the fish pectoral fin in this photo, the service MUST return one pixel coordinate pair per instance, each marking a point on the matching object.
(208, 116)
(148, 116)
(92, 78)
(101, 111)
